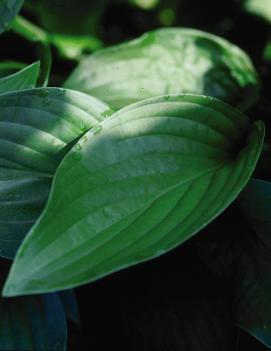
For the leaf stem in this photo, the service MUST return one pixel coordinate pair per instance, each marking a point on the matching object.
(29, 30)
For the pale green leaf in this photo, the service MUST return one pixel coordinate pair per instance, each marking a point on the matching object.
(134, 187)
(168, 61)
(261, 8)
(24, 79)
(37, 127)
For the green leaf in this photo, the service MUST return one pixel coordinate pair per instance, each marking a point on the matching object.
(261, 8)
(24, 79)
(37, 127)
(8, 10)
(135, 186)
(31, 322)
(168, 61)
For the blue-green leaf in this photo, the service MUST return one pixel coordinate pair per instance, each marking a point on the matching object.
(135, 186)
(69, 303)
(8, 10)
(255, 202)
(37, 127)
(32, 323)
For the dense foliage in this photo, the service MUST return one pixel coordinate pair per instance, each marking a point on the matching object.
(126, 138)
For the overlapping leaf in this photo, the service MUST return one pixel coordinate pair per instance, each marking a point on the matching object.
(24, 79)
(31, 323)
(8, 10)
(36, 128)
(69, 304)
(135, 186)
(168, 61)
(255, 202)
(242, 260)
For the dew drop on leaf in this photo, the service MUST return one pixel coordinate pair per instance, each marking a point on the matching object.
(97, 129)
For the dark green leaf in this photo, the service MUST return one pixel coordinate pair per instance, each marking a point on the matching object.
(243, 261)
(24, 79)
(8, 10)
(37, 127)
(134, 187)
(32, 323)
(69, 303)
(29, 323)
(168, 61)
(255, 202)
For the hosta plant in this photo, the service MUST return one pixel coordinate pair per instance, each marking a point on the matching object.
(142, 147)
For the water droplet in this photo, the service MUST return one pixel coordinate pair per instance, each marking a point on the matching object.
(60, 91)
(77, 147)
(84, 139)
(107, 113)
(97, 129)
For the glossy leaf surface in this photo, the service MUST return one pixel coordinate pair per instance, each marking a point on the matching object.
(36, 127)
(135, 186)
(24, 79)
(168, 61)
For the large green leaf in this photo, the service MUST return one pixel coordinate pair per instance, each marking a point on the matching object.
(8, 10)
(135, 186)
(168, 61)
(36, 127)
(24, 79)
